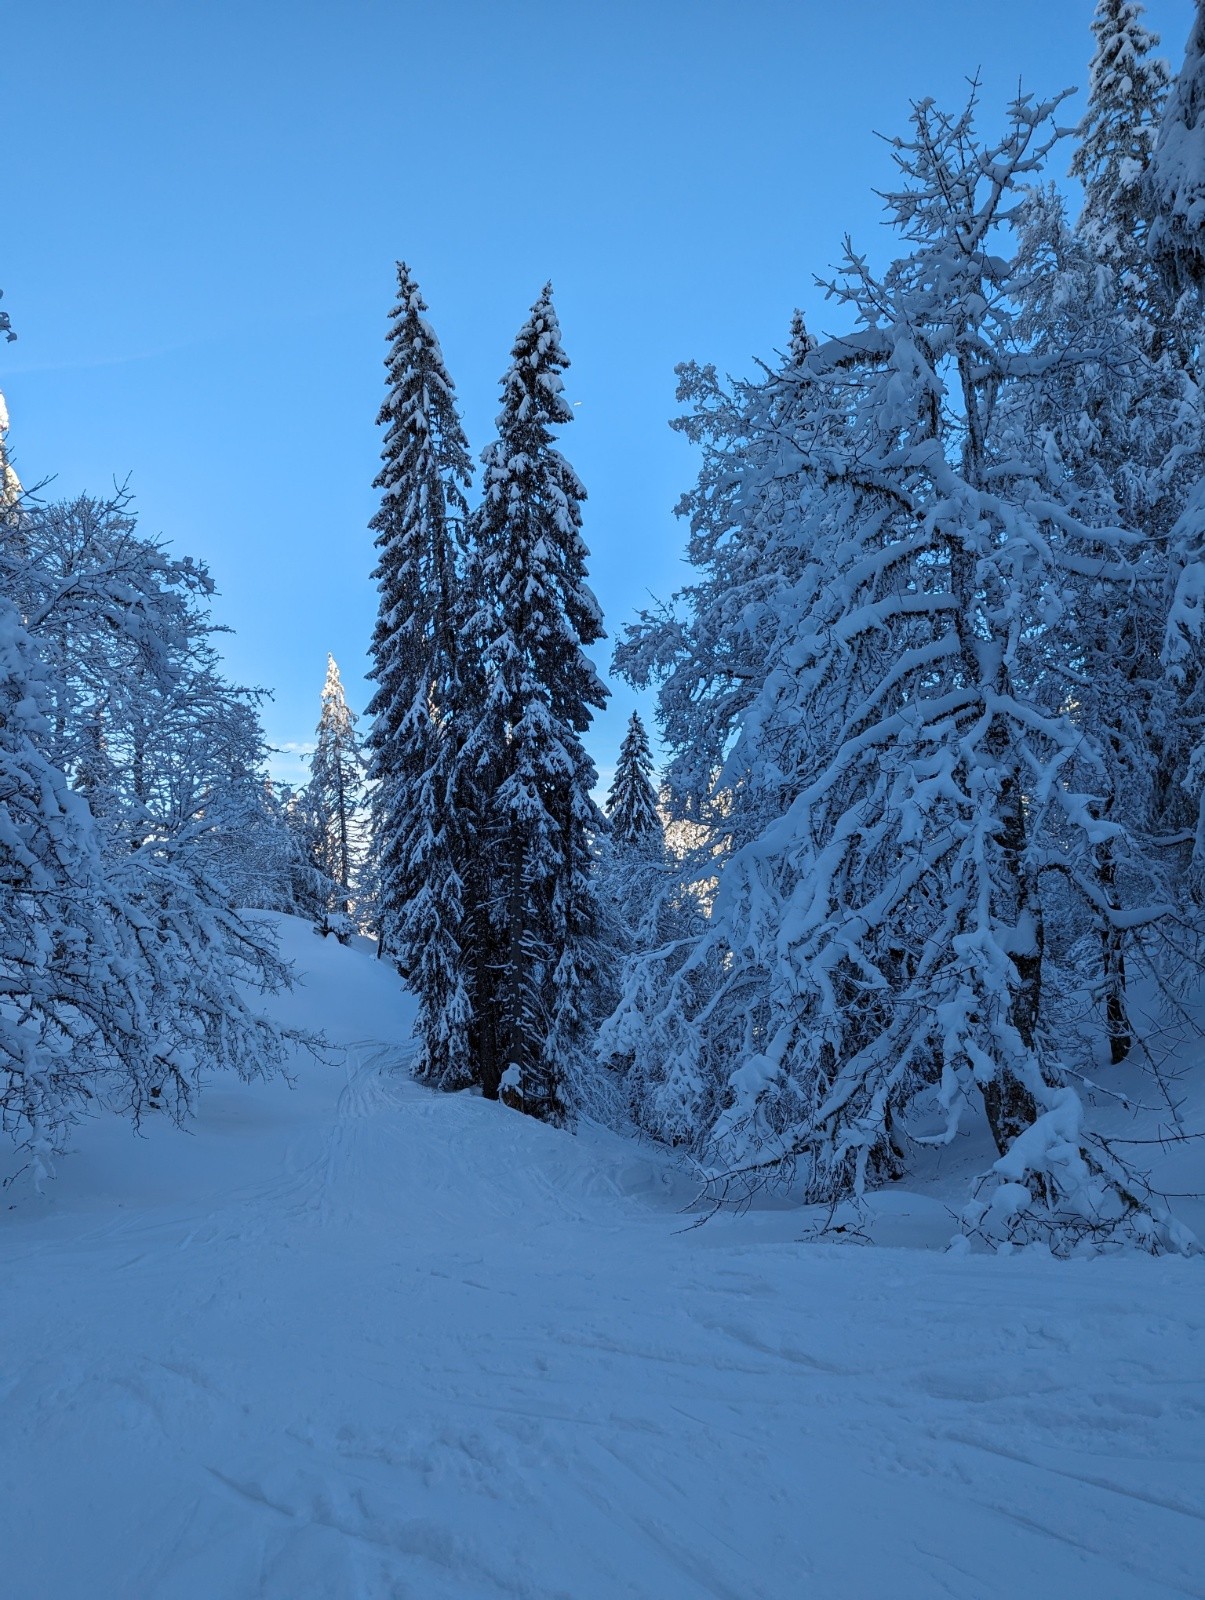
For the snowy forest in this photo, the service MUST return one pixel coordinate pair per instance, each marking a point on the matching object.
(930, 704)
(764, 1160)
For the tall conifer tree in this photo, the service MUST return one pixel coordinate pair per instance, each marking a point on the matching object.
(336, 782)
(632, 801)
(417, 668)
(1127, 88)
(539, 692)
(1176, 180)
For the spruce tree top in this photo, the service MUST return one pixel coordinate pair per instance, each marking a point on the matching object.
(419, 526)
(802, 343)
(419, 412)
(529, 526)
(1127, 88)
(336, 720)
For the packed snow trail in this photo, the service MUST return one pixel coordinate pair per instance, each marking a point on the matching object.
(357, 1341)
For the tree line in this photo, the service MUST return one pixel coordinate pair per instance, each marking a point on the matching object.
(930, 702)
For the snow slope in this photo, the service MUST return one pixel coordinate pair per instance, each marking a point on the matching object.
(357, 1340)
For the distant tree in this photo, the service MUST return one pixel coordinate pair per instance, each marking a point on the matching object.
(801, 342)
(335, 788)
(636, 880)
(10, 484)
(540, 939)
(632, 800)
(707, 650)
(417, 708)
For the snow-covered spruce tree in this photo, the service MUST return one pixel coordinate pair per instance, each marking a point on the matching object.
(1127, 89)
(1124, 421)
(1128, 425)
(420, 843)
(1176, 194)
(881, 944)
(1133, 426)
(648, 893)
(632, 800)
(636, 878)
(539, 690)
(335, 789)
(699, 648)
(1175, 182)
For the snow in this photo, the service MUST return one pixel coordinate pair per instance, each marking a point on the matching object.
(355, 1338)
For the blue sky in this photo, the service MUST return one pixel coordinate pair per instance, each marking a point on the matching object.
(204, 200)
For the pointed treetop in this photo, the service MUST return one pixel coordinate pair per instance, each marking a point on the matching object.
(423, 437)
(334, 700)
(1127, 89)
(10, 487)
(532, 390)
(802, 344)
(10, 484)
(410, 302)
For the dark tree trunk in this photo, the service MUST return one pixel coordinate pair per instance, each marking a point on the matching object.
(1010, 1106)
(1117, 1020)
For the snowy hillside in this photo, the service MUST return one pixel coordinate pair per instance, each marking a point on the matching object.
(361, 1340)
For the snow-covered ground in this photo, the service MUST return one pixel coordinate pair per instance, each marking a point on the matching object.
(356, 1340)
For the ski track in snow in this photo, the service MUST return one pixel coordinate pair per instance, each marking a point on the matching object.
(358, 1340)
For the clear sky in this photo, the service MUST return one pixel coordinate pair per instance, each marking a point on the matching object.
(203, 201)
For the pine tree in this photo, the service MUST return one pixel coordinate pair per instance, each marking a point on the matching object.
(1125, 422)
(749, 542)
(801, 343)
(637, 881)
(415, 739)
(1176, 180)
(632, 800)
(539, 935)
(335, 787)
(1127, 89)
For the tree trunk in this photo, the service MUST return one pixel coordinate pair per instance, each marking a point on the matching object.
(1010, 1108)
(1117, 1021)
(1010, 1105)
(514, 1035)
